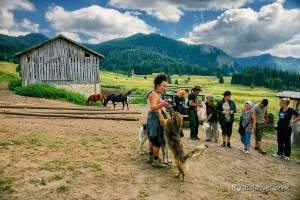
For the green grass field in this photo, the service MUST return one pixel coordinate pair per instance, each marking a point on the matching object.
(209, 85)
(8, 72)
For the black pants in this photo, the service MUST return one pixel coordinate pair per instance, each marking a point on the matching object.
(227, 129)
(284, 140)
(194, 123)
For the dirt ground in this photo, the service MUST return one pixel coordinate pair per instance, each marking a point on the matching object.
(65, 158)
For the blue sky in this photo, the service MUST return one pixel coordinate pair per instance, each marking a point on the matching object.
(239, 27)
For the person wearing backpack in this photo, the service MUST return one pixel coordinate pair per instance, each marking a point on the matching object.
(248, 122)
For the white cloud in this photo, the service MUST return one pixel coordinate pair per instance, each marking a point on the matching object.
(172, 10)
(241, 32)
(12, 33)
(45, 30)
(29, 25)
(8, 25)
(73, 36)
(287, 49)
(93, 41)
(100, 23)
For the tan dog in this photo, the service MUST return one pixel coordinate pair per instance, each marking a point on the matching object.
(219, 133)
(172, 127)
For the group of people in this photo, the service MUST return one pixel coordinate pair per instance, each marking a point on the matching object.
(253, 118)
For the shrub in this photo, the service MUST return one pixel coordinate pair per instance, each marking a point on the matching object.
(13, 84)
(50, 92)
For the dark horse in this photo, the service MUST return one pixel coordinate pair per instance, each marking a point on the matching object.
(96, 97)
(117, 98)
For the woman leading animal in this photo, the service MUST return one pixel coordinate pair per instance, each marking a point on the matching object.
(154, 129)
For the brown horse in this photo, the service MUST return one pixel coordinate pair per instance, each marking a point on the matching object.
(96, 97)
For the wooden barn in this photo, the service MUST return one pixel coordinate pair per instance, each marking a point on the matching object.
(62, 63)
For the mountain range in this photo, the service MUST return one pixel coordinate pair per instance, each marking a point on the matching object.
(150, 53)
(290, 64)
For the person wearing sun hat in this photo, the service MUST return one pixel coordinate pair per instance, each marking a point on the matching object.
(193, 118)
(225, 110)
(248, 121)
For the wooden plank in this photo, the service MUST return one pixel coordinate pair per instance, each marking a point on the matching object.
(92, 108)
(91, 112)
(71, 116)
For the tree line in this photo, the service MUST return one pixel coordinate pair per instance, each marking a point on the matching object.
(268, 77)
(10, 45)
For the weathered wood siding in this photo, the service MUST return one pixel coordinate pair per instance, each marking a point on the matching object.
(59, 62)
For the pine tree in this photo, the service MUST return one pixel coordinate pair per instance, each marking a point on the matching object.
(221, 79)
(176, 82)
(169, 79)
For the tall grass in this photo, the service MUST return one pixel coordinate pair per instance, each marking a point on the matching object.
(8, 72)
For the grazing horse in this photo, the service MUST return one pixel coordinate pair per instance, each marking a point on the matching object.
(117, 98)
(96, 97)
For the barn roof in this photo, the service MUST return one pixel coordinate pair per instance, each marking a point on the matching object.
(57, 37)
(289, 94)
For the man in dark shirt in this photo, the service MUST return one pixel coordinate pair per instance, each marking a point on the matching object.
(193, 118)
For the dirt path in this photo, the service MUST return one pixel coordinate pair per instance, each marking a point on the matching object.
(58, 158)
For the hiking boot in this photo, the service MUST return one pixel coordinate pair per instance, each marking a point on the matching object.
(224, 144)
(229, 145)
(150, 159)
(256, 148)
(158, 164)
(196, 138)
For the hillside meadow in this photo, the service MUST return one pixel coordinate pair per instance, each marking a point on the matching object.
(209, 85)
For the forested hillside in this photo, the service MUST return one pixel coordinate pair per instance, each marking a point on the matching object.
(10, 45)
(150, 53)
